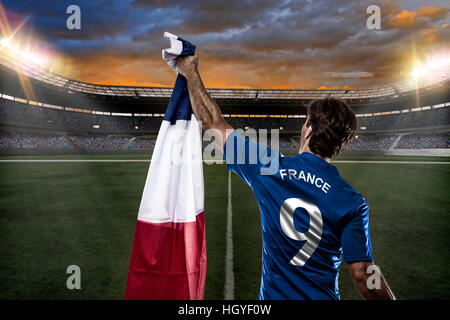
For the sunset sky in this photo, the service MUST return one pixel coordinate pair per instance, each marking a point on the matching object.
(241, 43)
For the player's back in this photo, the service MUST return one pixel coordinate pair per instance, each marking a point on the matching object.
(311, 205)
(310, 215)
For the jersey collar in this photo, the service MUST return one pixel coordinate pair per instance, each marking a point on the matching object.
(316, 159)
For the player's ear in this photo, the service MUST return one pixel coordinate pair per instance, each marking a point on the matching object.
(308, 133)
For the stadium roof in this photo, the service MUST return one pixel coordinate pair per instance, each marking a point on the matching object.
(12, 61)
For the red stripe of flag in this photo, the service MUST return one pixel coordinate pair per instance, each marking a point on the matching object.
(168, 261)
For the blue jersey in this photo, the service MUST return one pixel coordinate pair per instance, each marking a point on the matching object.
(311, 218)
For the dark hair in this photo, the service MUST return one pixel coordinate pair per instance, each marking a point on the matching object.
(333, 126)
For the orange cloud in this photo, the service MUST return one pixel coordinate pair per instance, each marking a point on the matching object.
(110, 68)
(432, 12)
(335, 87)
(407, 19)
(434, 35)
(404, 19)
(430, 37)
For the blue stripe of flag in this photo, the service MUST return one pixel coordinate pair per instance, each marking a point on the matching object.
(179, 107)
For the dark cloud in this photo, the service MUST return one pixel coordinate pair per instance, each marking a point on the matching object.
(157, 4)
(264, 43)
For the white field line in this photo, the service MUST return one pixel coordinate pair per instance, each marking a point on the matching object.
(71, 160)
(206, 161)
(390, 162)
(229, 273)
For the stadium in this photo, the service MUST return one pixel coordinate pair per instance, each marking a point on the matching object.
(65, 115)
(74, 157)
(69, 116)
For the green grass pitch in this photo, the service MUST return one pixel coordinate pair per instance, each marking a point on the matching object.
(53, 215)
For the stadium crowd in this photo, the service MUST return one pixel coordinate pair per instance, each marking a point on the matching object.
(17, 140)
(427, 118)
(83, 131)
(22, 114)
(100, 142)
(424, 141)
(26, 141)
(372, 142)
(142, 143)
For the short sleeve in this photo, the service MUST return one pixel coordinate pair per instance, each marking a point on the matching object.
(355, 236)
(248, 159)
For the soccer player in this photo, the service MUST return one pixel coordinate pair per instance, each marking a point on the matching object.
(310, 215)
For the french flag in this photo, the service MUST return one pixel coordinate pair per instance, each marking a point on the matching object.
(168, 259)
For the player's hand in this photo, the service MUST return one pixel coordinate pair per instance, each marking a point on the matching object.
(187, 65)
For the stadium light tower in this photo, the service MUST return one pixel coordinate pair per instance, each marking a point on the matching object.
(25, 55)
(418, 71)
(4, 42)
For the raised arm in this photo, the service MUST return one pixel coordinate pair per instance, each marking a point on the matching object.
(360, 275)
(205, 108)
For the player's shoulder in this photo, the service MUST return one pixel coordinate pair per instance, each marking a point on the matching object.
(345, 185)
(350, 195)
